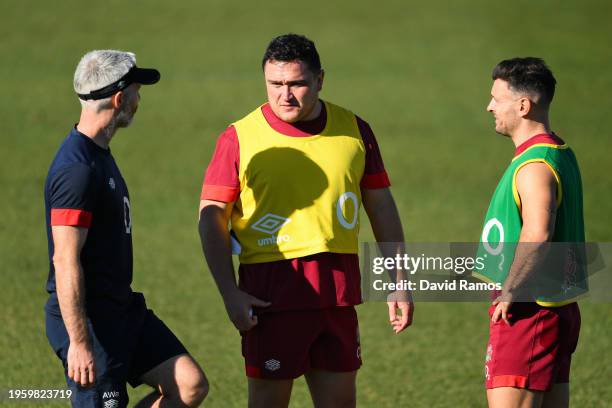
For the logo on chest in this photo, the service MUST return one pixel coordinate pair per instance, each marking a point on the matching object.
(111, 183)
(270, 224)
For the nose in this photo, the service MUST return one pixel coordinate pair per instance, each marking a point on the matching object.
(286, 92)
(491, 106)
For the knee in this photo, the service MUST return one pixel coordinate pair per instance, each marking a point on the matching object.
(346, 401)
(349, 402)
(339, 401)
(194, 390)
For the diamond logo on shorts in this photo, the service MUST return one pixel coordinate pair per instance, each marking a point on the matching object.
(272, 365)
(270, 223)
(111, 403)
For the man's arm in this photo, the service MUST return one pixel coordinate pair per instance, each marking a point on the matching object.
(216, 244)
(70, 286)
(387, 228)
(537, 188)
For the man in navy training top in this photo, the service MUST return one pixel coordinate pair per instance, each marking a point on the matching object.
(100, 329)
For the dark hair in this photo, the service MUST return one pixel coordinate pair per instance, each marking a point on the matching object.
(292, 47)
(529, 75)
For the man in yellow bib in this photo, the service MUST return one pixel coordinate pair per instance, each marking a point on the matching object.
(289, 178)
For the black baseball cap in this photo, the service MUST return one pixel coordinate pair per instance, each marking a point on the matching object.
(144, 76)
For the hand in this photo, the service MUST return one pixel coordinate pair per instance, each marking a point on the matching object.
(81, 365)
(239, 306)
(403, 302)
(502, 308)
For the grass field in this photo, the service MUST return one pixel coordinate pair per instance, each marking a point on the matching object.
(418, 72)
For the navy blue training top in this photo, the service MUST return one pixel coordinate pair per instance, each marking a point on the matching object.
(84, 188)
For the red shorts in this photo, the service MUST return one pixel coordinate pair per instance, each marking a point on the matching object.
(535, 351)
(288, 344)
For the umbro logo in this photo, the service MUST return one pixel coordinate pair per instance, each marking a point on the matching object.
(111, 403)
(111, 183)
(270, 223)
(272, 365)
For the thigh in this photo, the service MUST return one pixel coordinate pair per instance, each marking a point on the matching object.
(337, 349)
(523, 354)
(269, 393)
(111, 362)
(156, 345)
(279, 346)
(106, 392)
(557, 397)
(170, 376)
(569, 332)
(332, 389)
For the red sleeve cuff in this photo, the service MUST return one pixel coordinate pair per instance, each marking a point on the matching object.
(219, 193)
(70, 217)
(516, 381)
(376, 180)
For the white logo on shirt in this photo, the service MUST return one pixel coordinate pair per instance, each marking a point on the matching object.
(493, 222)
(270, 223)
(111, 183)
(348, 196)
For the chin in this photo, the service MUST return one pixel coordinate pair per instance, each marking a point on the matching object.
(502, 132)
(124, 120)
(289, 118)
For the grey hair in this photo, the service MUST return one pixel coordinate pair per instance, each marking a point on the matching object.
(98, 69)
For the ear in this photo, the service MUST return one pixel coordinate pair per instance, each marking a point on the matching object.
(320, 80)
(117, 99)
(526, 105)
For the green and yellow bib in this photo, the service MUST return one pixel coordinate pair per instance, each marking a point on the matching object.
(503, 222)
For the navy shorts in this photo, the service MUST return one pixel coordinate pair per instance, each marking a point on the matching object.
(125, 346)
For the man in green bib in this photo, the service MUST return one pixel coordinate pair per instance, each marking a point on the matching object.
(536, 210)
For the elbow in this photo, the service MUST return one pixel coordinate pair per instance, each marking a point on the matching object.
(537, 237)
(202, 228)
(59, 261)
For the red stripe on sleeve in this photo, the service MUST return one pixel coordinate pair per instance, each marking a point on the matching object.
(219, 193)
(70, 217)
(377, 180)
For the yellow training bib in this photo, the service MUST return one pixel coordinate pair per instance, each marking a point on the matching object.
(298, 195)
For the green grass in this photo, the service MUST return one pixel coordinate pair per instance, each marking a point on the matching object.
(418, 72)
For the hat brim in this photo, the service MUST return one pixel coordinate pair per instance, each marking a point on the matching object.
(145, 76)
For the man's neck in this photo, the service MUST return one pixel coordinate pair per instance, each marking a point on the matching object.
(527, 130)
(98, 127)
(314, 113)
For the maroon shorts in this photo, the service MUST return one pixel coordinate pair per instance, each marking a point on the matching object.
(535, 351)
(288, 344)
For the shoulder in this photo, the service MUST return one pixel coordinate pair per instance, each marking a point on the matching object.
(335, 109)
(255, 114)
(74, 151)
(228, 136)
(69, 174)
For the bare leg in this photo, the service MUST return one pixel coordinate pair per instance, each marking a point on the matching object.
(332, 389)
(557, 397)
(510, 397)
(178, 382)
(269, 393)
